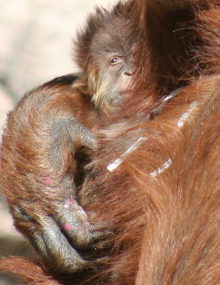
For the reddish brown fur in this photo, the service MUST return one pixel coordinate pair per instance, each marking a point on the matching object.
(165, 228)
(33, 274)
(51, 133)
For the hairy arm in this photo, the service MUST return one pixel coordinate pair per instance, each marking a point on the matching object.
(40, 171)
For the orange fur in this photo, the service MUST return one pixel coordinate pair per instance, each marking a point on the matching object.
(153, 181)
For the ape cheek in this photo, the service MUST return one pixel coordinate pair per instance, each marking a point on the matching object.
(126, 83)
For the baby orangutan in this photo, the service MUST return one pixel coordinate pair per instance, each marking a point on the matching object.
(154, 184)
(51, 134)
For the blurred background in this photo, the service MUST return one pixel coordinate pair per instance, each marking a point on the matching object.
(35, 46)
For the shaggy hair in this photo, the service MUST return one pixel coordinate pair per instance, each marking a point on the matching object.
(154, 178)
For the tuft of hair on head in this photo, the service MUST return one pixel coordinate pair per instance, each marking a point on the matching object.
(99, 20)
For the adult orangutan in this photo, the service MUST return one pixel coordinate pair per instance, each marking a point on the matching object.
(152, 185)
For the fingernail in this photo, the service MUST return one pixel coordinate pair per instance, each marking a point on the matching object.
(68, 203)
(48, 180)
(68, 227)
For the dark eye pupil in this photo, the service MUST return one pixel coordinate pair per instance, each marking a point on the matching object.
(114, 60)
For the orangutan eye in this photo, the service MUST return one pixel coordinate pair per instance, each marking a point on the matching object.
(116, 60)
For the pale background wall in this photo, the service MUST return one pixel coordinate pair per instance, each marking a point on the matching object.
(35, 46)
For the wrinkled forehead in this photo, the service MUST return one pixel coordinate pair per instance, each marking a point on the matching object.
(115, 35)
